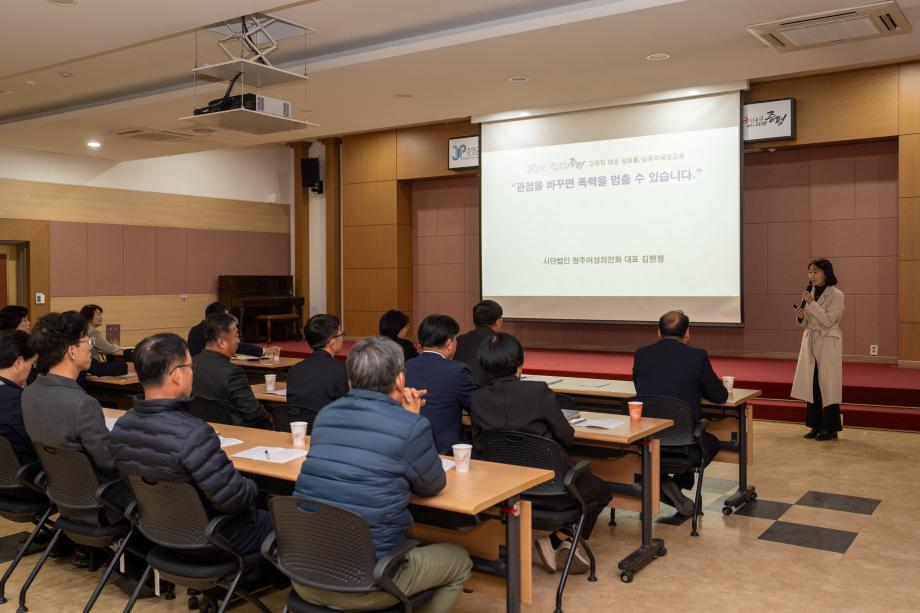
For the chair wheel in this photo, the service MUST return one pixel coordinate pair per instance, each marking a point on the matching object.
(2, 599)
(626, 576)
(753, 495)
(193, 604)
(662, 552)
(592, 578)
(726, 510)
(694, 533)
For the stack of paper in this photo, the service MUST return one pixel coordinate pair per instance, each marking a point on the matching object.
(228, 442)
(275, 455)
(608, 423)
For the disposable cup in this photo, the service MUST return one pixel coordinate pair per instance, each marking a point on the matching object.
(270, 382)
(729, 383)
(299, 433)
(635, 410)
(462, 453)
(276, 357)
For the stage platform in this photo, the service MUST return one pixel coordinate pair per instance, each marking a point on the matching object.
(874, 395)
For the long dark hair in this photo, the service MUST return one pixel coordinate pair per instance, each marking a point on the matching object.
(825, 265)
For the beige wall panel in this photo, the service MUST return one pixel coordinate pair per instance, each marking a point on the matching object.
(909, 105)
(403, 246)
(840, 106)
(371, 289)
(909, 291)
(37, 235)
(369, 157)
(909, 165)
(909, 342)
(909, 228)
(53, 202)
(361, 323)
(369, 204)
(422, 150)
(404, 291)
(140, 316)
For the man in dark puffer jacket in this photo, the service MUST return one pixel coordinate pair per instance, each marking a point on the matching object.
(369, 451)
(160, 440)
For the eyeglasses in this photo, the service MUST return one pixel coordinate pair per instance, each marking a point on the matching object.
(189, 365)
(89, 339)
(340, 334)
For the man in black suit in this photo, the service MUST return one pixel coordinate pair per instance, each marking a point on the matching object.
(216, 378)
(196, 335)
(487, 316)
(449, 383)
(671, 367)
(320, 378)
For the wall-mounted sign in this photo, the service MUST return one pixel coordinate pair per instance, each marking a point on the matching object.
(769, 120)
(463, 152)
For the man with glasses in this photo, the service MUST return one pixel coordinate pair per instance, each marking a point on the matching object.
(319, 379)
(17, 357)
(56, 410)
(160, 440)
(216, 378)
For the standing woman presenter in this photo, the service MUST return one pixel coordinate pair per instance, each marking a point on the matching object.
(819, 372)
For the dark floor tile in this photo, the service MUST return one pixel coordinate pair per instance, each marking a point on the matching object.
(763, 509)
(814, 537)
(839, 502)
(9, 545)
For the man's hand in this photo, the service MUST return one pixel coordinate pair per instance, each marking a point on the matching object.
(412, 399)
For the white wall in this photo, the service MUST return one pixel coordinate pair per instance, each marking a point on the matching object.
(259, 174)
(317, 298)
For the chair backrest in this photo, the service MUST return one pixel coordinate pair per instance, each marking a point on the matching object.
(680, 412)
(170, 513)
(210, 410)
(566, 405)
(508, 447)
(9, 466)
(284, 414)
(72, 482)
(323, 546)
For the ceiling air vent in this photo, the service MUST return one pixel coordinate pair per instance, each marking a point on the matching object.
(152, 136)
(832, 27)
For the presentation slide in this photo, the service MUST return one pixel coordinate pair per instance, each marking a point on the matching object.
(615, 214)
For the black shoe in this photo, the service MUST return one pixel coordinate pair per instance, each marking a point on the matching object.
(671, 493)
(811, 434)
(824, 435)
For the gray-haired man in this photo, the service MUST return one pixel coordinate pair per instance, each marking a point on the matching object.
(370, 450)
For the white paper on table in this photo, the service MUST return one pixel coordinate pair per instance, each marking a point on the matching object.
(275, 455)
(228, 442)
(447, 464)
(279, 392)
(246, 358)
(595, 384)
(545, 379)
(110, 422)
(608, 423)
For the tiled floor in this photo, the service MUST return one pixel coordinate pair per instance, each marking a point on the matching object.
(834, 529)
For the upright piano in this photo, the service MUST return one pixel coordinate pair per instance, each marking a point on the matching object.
(250, 295)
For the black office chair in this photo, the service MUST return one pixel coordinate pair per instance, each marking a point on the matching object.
(284, 414)
(682, 434)
(84, 505)
(557, 503)
(189, 548)
(210, 410)
(324, 546)
(22, 500)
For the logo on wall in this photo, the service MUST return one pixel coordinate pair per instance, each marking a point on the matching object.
(463, 152)
(769, 120)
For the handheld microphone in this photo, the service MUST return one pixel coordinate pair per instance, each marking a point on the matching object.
(807, 289)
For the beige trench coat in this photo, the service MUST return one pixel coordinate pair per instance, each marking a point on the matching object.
(823, 342)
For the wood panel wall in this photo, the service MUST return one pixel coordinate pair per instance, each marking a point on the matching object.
(909, 214)
(37, 235)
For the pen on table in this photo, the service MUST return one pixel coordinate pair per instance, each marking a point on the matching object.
(267, 457)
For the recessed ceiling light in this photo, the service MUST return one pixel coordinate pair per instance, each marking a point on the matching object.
(402, 95)
(7, 92)
(657, 57)
(93, 144)
(523, 114)
(65, 75)
(693, 92)
(63, 2)
(31, 83)
(519, 79)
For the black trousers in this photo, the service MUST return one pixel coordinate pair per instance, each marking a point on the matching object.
(828, 418)
(594, 491)
(684, 479)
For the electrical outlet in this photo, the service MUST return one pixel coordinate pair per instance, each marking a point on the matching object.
(39, 298)
(183, 297)
(873, 349)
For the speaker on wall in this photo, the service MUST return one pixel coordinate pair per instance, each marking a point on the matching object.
(309, 175)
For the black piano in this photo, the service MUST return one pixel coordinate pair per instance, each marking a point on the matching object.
(248, 296)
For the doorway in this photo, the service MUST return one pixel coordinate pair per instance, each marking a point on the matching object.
(13, 272)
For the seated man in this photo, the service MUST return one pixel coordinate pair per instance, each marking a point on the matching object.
(487, 316)
(320, 378)
(449, 383)
(160, 440)
(369, 452)
(16, 360)
(196, 335)
(15, 317)
(216, 378)
(508, 403)
(671, 367)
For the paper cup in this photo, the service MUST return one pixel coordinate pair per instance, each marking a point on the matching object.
(270, 382)
(729, 383)
(462, 453)
(299, 433)
(635, 410)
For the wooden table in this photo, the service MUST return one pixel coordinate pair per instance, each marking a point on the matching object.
(736, 435)
(487, 486)
(257, 369)
(119, 390)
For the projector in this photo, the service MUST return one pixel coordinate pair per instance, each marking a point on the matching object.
(253, 102)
